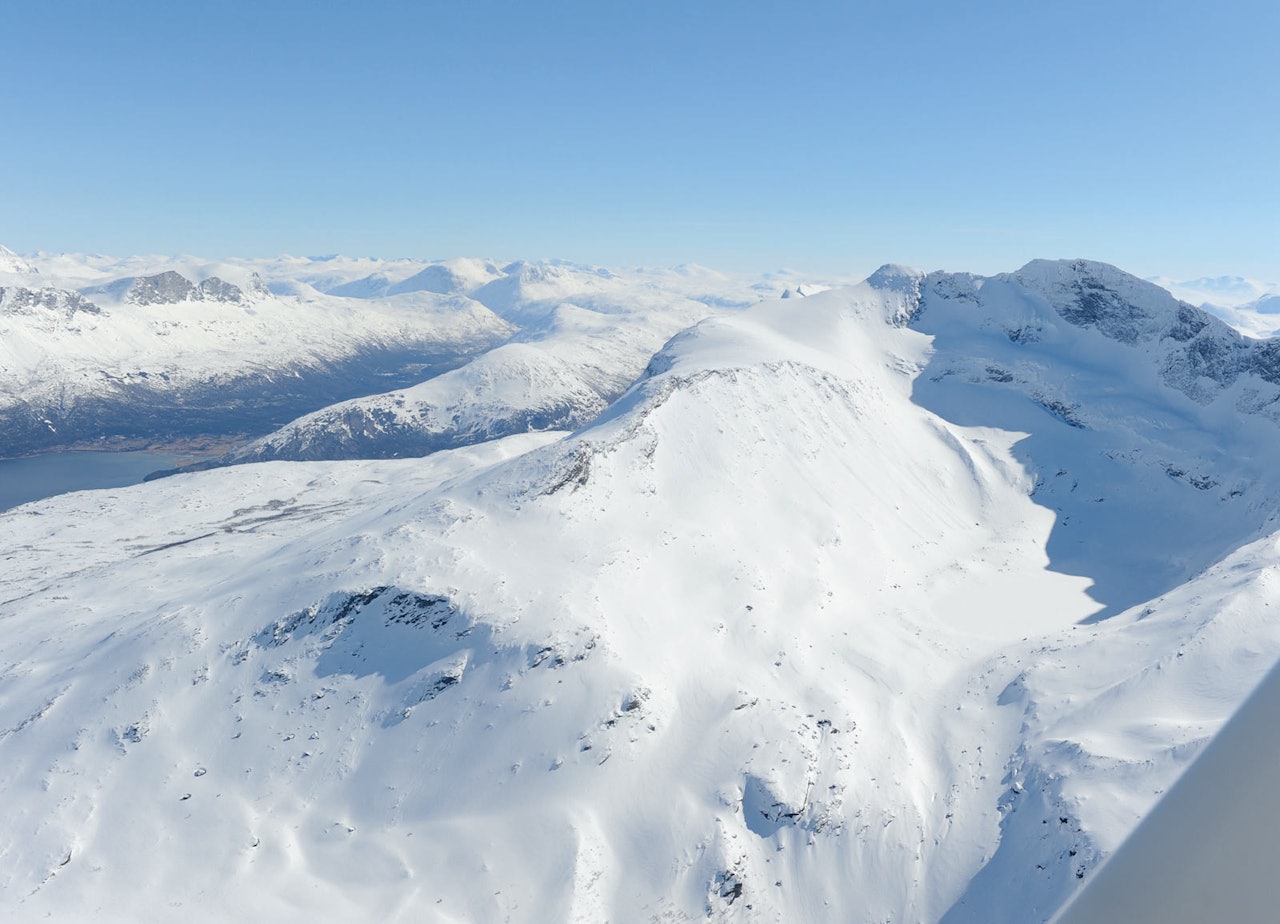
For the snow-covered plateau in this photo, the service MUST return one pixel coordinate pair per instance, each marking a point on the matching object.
(902, 601)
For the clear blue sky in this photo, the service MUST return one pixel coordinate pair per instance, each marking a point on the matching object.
(824, 136)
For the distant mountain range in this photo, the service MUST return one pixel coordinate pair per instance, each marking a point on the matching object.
(95, 351)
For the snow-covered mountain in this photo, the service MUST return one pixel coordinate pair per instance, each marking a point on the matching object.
(13, 265)
(164, 356)
(902, 601)
(557, 375)
(97, 350)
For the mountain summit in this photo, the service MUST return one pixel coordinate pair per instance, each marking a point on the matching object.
(10, 262)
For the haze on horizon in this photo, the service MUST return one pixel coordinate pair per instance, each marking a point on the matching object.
(828, 139)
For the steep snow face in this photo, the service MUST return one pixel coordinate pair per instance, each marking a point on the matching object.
(782, 634)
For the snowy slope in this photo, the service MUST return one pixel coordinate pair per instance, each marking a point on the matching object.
(795, 629)
(181, 333)
(446, 277)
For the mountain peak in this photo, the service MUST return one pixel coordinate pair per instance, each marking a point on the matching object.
(1089, 293)
(10, 262)
(171, 287)
(896, 277)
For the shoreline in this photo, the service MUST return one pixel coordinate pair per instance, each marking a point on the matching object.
(198, 447)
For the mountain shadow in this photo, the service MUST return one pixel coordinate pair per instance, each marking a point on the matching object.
(1150, 426)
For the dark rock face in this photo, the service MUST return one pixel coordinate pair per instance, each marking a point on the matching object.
(161, 289)
(1202, 355)
(16, 300)
(169, 288)
(1264, 361)
(214, 289)
(1099, 307)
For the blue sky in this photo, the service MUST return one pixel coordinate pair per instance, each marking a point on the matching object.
(824, 136)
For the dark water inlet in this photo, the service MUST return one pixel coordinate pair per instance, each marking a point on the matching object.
(37, 477)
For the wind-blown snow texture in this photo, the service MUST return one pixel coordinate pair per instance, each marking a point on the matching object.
(903, 601)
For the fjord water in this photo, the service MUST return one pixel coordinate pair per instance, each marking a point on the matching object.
(37, 477)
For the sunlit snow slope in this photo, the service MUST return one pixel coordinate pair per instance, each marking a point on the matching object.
(799, 628)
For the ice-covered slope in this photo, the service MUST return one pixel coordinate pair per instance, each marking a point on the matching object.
(784, 634)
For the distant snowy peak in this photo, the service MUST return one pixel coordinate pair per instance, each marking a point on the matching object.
(450, 277)
(10, 262)
(1191, 350)
(528, 292)
(17, 300)
(170, 288)
(900, 286)
(1087, 293)
(460, 276)
(1220, 291)
(1268, 304)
